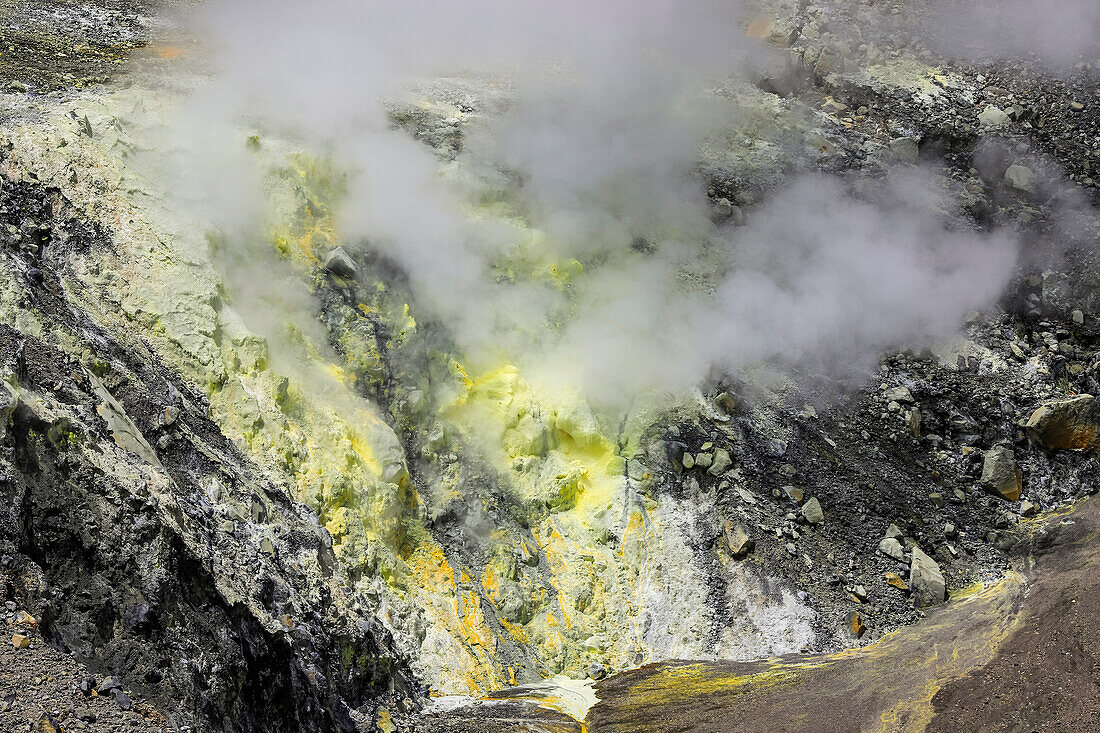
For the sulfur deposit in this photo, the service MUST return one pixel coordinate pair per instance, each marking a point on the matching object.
(459, 395)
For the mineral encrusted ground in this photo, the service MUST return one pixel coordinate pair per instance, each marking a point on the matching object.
(246, 552)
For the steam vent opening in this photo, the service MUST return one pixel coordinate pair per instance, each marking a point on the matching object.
(625, 366)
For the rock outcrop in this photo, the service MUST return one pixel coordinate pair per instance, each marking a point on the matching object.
(148, 544)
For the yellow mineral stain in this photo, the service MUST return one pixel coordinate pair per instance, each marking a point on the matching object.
(518, 634)
(760, 27)
(166, 51)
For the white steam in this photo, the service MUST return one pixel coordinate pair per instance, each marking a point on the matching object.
(1058, 32)
(607, 104)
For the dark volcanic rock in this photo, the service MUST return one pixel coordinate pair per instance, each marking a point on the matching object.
(115, 545)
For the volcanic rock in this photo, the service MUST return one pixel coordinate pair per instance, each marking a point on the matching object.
(812, 513)
(1072, 424)
(891, 548)
(738, 539)
(993, 116)
(1000, 474)
(926, 580)
(721, 462)
(899, 394)
(1020, 177)
(895, 580)
(339, 262)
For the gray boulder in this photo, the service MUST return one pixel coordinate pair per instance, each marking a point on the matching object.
(993, 116)
(891, 548)
(905, 148)
(1000, 474)
(1020, 177)
(899, 395)
(812, 513)
(720, 463)
(926, 580)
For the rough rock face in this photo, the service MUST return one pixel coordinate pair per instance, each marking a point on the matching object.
(149, 546)
(926, 580)
(740, 543)
(891, 548)
(1000, 474)
(812, 511)
(1072, 424)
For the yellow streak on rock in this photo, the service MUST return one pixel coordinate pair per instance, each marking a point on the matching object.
(456, 607)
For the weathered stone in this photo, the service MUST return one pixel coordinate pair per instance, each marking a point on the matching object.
(760, 26)
(812, 513)
(339, 262)
(122, 699)
(893, 531)
(723, 209)
(991, 159)
(20, 641)
(899, 394)
(890, 547)
(905, 148)
(46, 723)
(1072, 424)
(1028, 509)
(855, 624)
(704, 460)
(738, 539)
(1000, 474)
(912, 421)
(1021, 178)
(993, 116)
(895, 580)
(721, 462)
(926, 580)
(529, 555)
(794, 493)
(107, 684)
